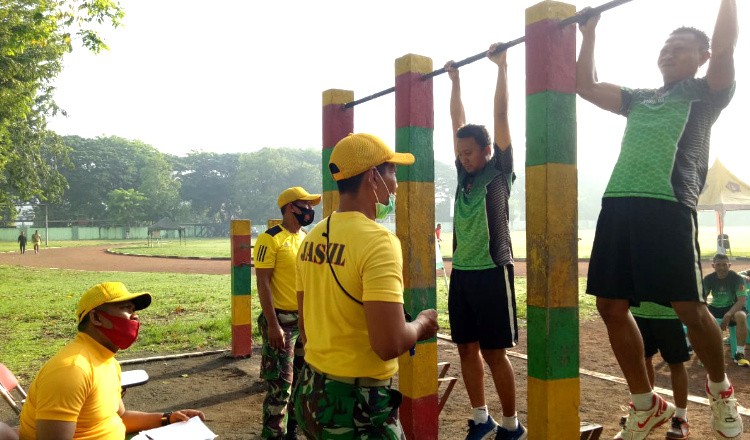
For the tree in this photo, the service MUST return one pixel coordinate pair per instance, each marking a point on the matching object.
(160, 188)
(104, 164)
(207, 182)
(264, 174)
(125, 206)
(35, 37)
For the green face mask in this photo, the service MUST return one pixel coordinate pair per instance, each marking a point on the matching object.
(381, 210)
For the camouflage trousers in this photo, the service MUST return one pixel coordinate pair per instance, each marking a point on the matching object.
(331, 410)
(280, 369)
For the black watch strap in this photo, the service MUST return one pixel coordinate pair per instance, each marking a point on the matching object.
(165, 418)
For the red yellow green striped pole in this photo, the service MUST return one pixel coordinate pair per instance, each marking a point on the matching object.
(415, 219)
(337, 123)
(552, 223)
(242, 325)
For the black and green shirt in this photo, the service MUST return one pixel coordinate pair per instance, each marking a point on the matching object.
(664, 152)
(481, 237)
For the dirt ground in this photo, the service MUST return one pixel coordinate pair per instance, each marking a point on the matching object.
(229, 391)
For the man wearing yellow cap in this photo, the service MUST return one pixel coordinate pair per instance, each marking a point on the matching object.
(76, 394)
(275, 260)
(350, 293)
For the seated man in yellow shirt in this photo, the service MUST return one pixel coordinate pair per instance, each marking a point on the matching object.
(76, 394)
(350, 297)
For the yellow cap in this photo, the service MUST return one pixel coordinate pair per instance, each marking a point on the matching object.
(357, 153)
(297, 193)
(105, 293)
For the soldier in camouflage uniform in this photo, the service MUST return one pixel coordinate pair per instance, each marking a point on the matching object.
(283, 354)
(350, 296)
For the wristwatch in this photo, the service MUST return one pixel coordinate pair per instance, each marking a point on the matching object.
(165, 418)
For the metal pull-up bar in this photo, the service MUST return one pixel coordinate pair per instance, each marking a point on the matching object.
(578, 18)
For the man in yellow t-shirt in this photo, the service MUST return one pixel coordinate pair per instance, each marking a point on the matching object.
(275, 266)
(76, 395)
(350, 295)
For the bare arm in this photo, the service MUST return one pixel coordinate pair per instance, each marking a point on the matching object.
(603, 95)
(502, 127)
(55, 430)
(390, 335)
(275, 334)
(720, 74)
(458, 116)
(136, 421)
(739, 305)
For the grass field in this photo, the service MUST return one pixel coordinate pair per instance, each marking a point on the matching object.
(189, 312)
(219, 247)
(7, 246)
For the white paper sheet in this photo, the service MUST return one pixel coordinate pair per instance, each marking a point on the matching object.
(193, 429)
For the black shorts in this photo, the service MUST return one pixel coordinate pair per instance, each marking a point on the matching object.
(665, 336)
(719, 312)
(482, 307)
(646, 250)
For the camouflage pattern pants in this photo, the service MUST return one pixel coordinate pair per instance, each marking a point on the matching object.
(280, 369)
(331, 410)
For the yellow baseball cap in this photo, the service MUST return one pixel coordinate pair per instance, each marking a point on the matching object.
(105, 293)
(297, 193)
(357, 153)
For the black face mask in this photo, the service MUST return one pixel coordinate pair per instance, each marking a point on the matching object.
(306, 217)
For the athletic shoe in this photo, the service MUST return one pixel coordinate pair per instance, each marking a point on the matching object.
(640, 423)
(726, 341)
(481, 431)
(739, 359)
(725, 419)
(519, 434)
(679, 429)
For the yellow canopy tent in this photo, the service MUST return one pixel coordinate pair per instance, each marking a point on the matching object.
(723, 192)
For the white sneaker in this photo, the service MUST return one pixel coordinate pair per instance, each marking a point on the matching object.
(725, 419)
(640, 423)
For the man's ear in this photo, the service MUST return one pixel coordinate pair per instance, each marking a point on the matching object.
(705, 56)
(94, 318)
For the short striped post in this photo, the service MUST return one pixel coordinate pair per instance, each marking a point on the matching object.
(415, 219)
(337, 123)
(273, 222)
(242, 326)
(551, 226)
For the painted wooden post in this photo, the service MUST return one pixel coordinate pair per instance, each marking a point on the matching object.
(551, 225)
(415, 219)
(273, 222)
(242, 321)
(337, 123)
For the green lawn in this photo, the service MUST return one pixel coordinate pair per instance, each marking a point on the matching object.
(7, 246)
(195, 247)
(189, 312)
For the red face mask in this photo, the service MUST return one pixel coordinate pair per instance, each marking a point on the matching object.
(123, 332)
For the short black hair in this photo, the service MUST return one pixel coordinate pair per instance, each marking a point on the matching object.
(351, 185)
(479, 132)
(720, 257)
(703, 41)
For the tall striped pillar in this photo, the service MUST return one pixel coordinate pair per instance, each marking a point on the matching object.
(415, 219)
(551, 223)
(242, 321)
(337, 123)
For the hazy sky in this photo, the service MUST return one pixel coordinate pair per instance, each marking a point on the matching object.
(236, 76)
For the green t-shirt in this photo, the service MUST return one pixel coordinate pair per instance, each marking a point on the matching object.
(664, 153)
(481, 238)
(724, 291)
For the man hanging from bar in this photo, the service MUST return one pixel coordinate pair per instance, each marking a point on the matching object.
(646, 243)
(481, 301)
